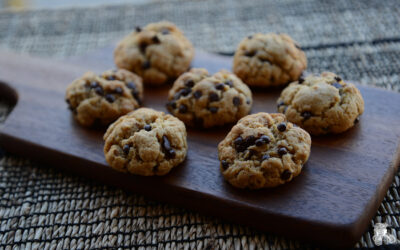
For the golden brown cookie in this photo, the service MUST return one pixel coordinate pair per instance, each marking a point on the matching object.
(145, 142)
(263, 150)
(158, 52)
(201, 100)
(269, 60)
(102, 99)
(322, 104)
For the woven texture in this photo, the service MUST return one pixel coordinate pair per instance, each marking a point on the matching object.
(46, 209)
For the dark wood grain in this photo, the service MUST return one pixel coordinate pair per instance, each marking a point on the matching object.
(330, 203)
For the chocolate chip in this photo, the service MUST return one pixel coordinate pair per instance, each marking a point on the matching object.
(110, 98)
(301, 80)
(239, 144)
(185, 91)
(138, 29)
(306, 115)
(155, 168)
(147, 127)
(172, 104)
(213, 97)
(224, 164)
(213, 109)
(286, 174)
(337, 85)
(189, 83)
(297, 46)
(265, 138)
(250, 140)
(248, 101)
(155, 39)
(131, 85)
(282, 151)
(139, 101)
(281, 126)
(229, 83)
(146, 65)
(281, 103)
(357, 120)
(166, 144)
(110, 78)
(197, 94)
(236, 101)
(126, 148)
(220, 86)
(94, 84)
(250, 53)
(338, 78)
(169, 151)
(183, 108)
(250, 37)
(265, 157)
(118, 90)
(99, 90)
(143, 46)
(135, 94)
(260, 142)
(182, 92)
(165, 31)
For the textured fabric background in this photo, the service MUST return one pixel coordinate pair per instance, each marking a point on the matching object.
(46, 209)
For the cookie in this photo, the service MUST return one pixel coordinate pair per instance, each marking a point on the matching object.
(263, 150)
(158, 53)
(269, 60)
(145, 142)
(201, 100)
(322, 104)
(95, 99)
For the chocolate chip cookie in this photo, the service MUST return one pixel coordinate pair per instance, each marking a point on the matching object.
(269, 60)
(322, 104)
(263, 150)
(201, 100)
(158, 52)
(95, 99)
(145, 142)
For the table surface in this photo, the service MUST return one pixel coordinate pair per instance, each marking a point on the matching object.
(356, 40)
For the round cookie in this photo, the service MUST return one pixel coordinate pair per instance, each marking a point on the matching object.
(159, 52)
(322, 104)
(201, 100)
(263, 150)
(269, 60)
(145, 142)
(96, 99)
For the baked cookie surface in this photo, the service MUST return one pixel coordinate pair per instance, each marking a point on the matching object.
(145, 142)
(322, 104)
(269, 60)
(263, 150)
(201, 100)
(96, 99)
(158, 52)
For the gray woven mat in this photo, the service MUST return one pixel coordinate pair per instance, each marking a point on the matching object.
(43, 208)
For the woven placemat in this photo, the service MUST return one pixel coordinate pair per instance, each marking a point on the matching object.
(43, 208)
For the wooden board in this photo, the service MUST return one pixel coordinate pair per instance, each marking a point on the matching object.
(331, 202)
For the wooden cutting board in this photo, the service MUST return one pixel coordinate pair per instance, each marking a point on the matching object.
(331, 202)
